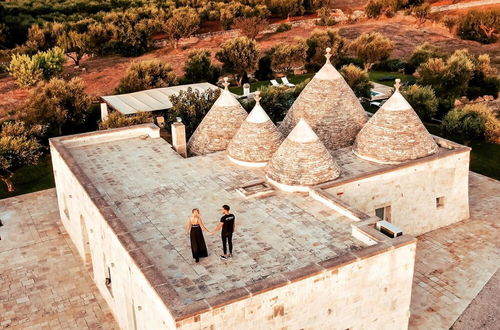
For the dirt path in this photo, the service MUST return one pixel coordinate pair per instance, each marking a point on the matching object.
(463, 5)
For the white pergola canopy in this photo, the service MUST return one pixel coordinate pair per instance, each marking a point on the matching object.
(151, 99)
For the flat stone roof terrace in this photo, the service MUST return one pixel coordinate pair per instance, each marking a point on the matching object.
(152, 190)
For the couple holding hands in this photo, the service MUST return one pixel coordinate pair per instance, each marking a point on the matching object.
(195, 227)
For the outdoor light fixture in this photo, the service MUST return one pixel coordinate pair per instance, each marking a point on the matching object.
(179, 119)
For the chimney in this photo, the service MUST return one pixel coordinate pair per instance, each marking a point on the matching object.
(179, 137)
(246, 89)
(104, 111)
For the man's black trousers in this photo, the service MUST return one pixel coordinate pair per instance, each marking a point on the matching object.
(227, 239)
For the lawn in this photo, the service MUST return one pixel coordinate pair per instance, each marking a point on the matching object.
(376, 75)
(31, 178)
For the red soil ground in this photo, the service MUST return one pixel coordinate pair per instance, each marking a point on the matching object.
(102, 74)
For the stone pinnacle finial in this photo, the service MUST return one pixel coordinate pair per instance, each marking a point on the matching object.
(328, 54)
(256, 96)
(397, 84)
(226, 83)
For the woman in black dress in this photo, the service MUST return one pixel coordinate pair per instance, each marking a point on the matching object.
(195, 227)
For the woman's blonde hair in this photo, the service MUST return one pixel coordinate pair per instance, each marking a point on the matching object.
(197, 214)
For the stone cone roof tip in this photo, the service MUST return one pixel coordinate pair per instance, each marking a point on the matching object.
(218, 126)
(329, 105)
(302, 160)
(394, 134)
(256, 140)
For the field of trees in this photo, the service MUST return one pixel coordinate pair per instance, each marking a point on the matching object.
(40, 38)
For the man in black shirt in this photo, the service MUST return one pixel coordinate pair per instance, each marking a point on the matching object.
(228, 226)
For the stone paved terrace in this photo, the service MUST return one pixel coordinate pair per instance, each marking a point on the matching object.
(449, 272)
(455, 262)
(153, 190)
(43, 282)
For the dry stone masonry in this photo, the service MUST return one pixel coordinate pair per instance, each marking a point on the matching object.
(219, 125)
(329, 105)
(257, 139)
(302, 160)
(394, 134)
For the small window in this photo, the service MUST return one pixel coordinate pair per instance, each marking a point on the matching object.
(440, 202)
(108, 282)
(384, 213)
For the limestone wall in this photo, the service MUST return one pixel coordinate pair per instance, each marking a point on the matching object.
(412, 191)
(372, 293)
(133, 301)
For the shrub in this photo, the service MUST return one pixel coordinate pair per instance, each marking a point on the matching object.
(116, 119)
(422, 54)
(183, 23)
(422, 12)
(283, 27)
(285, 8)
(485, 79)
(325, 17)
(371, 48)
(449, 79)
(450, 22)
(288, 56)
(472, 122)
(319, 40)
(357, 79)
(18, 148)
(146, 75)
(392, 65)
(250, 27)
(277, 100)
(373, 8)
(264, 71)
(28, 70)
(61, 106)
(480, 26)
(191, 106)
(423, 100)
(199, 68)
(240, 56)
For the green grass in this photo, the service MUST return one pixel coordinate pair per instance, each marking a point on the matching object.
(31, 178)
(376, 75)
(256, 85)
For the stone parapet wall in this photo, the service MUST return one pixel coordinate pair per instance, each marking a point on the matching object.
(103, 242)
(411, 190)
(344, 293)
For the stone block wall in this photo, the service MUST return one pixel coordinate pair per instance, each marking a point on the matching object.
(371, 292)
(411, 192)
(89, 222)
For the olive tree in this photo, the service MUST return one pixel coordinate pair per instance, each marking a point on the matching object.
(116, 119)
(146, 75)
(183, 23)
(18, 148)
(423, 100)
(240, 56)
(472, 122)
(62, 106)
(357, 79)
(288, 56)
(250, 27)
(192, 106)
(371, 48)
(319, 40)
(199, 68)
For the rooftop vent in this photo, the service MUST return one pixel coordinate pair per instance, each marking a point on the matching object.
(256, 189)
(388, 229)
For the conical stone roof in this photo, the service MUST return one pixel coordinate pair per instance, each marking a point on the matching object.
(256, 140)
(219, 125)
(394, 134)
(301, 161)
(329, 105)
